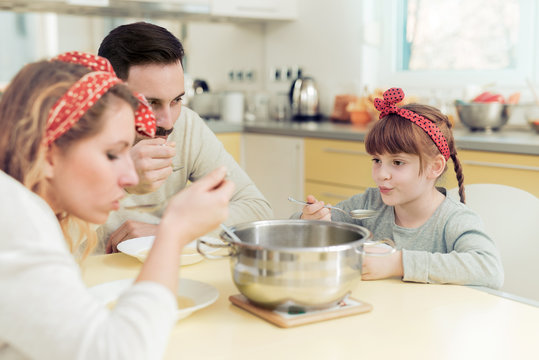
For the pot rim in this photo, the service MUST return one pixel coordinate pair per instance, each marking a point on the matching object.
(367, 236)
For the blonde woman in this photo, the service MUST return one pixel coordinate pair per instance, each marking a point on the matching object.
(67, 129)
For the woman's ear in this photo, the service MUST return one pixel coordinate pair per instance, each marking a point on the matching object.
(50, 160)
(437, 166)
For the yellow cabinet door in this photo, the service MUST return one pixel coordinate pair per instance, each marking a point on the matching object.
(232, 144)
(330, 194)
(338, 162)
(482, 167)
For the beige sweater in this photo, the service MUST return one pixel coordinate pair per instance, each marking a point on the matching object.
(199, 151)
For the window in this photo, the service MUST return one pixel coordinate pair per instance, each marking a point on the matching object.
(450, 43)
(20, 39)
(460, 35)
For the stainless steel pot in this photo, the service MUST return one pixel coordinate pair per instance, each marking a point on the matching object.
(306, 263)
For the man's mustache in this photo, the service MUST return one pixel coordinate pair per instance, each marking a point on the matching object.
(160, 131)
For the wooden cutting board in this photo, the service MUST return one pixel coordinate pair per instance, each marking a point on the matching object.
(349, 306)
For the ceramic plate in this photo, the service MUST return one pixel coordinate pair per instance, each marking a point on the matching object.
(139, 248)
(200, 293)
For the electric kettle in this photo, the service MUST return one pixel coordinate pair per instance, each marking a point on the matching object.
(304, 99)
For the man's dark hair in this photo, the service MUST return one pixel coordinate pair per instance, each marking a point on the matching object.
(140, 43)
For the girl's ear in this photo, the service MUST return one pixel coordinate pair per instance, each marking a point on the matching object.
(437, 166)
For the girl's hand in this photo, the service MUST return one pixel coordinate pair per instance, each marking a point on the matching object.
(315, 211)
(201, 207)
(382, 267)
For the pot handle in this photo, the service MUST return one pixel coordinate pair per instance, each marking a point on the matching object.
(377, 248)
(214, 246)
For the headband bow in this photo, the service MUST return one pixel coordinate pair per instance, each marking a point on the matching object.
(75, 102)
(387, 106)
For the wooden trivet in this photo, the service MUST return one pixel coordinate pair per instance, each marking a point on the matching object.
(349, 306)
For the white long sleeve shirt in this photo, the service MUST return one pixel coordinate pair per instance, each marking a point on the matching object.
(46, 311)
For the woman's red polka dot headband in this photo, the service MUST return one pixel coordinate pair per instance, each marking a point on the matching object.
(387, 106)
(85, 92)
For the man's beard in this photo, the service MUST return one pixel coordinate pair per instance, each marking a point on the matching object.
(160, 131)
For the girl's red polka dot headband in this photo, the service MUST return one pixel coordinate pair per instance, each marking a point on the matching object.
(387, 106)
(85, 92)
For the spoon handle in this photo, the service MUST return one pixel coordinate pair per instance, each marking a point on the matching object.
(143, 207)
(230, 233)
(290, 198)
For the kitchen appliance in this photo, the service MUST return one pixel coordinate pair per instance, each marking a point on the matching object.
(232, 106)
(307, 263)
(193, 87)
(205, 104)
(305, 99)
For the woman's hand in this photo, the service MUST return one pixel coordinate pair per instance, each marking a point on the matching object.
(375, 267)
(315, 210)
(191, 213)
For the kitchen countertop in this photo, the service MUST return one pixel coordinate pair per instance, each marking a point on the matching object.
(511, 139)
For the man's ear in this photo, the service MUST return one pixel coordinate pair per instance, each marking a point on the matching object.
(437, 166)
(51, 154)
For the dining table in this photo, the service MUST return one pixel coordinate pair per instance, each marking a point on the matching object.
(407, 321)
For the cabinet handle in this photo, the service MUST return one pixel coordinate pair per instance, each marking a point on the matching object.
(333, 195)
(500, 165)
(343, 151)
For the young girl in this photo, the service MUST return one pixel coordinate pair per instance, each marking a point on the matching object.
(64, 154)
(439, 240)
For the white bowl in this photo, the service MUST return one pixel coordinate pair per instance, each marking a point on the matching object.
(200, 293)
(139, 248)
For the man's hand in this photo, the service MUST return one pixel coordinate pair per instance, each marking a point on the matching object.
(153, 161)
(129, 230)
(375, 267)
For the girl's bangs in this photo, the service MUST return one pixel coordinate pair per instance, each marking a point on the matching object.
(392, 135)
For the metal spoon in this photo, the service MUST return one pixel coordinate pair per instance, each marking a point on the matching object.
(356, 214)
(143, 207)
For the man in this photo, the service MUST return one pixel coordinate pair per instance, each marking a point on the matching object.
(148, 57)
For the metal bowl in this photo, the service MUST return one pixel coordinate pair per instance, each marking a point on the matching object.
(305, 263)
(482, 116)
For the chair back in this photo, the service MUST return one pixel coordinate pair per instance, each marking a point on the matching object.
(511, 218)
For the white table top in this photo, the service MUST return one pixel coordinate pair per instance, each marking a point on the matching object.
(408, 321)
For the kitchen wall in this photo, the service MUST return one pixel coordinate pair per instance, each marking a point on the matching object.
(326, 41)
(342, 45)
(215, 48)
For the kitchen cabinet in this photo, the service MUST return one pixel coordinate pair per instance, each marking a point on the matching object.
(517, 170)
(255, 9)
(232, 144)
(275, 164)
(336, 169)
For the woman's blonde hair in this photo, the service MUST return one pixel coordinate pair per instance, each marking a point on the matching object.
(24, 110)
(394, 134)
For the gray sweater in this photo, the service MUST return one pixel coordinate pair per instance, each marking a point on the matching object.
(451, 247)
